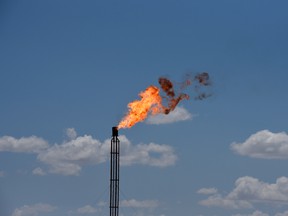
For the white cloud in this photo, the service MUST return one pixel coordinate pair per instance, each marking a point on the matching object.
(282, 214)
(264, 144)
(71, 133)
(102, 203)
(33, 210)
(132, 203)
(2, 173)
(179, 114)
(207, 191)
(218, 200)
(38, 171)
(255, 213)
(259, 213)
(249, 190)
(86, 210)
(146, 154)
(31, 144)
(69, 157)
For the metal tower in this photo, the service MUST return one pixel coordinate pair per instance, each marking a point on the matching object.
(114, 173)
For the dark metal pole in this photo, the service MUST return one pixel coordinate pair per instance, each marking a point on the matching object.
(114, 173)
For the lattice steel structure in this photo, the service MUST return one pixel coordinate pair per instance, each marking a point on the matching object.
(114, 173)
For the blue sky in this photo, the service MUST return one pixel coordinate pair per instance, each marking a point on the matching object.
(68, 70)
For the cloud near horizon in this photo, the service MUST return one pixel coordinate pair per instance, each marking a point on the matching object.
(179, 114)
(207, 191)
(259, 213)
(255, 213)
(248, 191)
(282, 214)
(264, 144)
(88, 209)
(33, 210)
(140, 207)
(132, 203)
(69, 157)
(30, 144)
(38, 171)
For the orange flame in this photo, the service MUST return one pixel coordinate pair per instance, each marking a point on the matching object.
(151, 101)
(139, 109)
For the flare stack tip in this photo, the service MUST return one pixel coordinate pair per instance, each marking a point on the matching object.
(115, 131)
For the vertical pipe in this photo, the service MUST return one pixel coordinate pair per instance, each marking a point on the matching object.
(114, 173)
